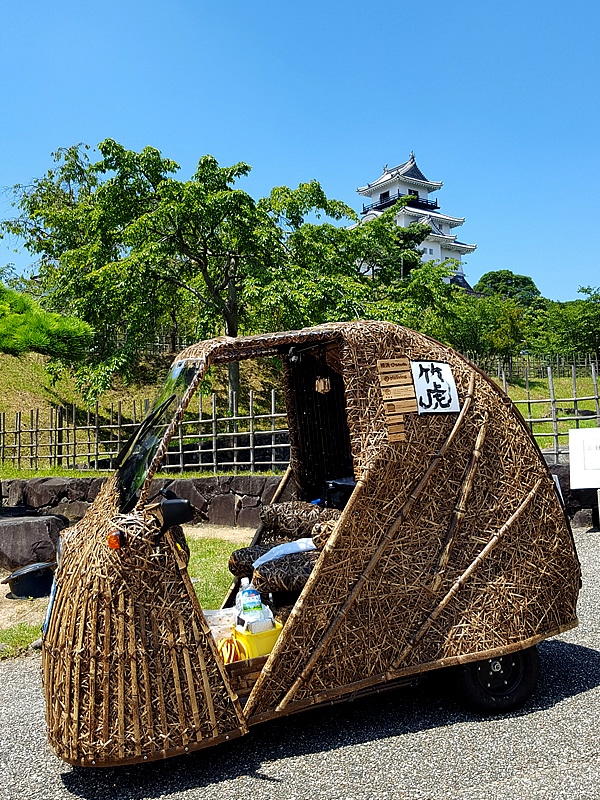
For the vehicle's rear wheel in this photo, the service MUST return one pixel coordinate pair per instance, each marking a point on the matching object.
(501, 683)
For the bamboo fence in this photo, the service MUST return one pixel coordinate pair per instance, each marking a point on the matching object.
(64, 437)
(535, 365)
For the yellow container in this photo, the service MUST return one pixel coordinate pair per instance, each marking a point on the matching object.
(258, 644)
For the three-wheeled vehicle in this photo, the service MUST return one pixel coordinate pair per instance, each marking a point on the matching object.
(449, 546)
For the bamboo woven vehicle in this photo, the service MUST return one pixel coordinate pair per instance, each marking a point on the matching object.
(453, 548)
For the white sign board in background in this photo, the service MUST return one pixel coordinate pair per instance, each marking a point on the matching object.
(434, 387)
(584, 458)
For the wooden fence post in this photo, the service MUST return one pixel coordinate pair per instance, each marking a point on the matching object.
(51, 439)
(575, 408)
(214, 431)
(273, 453)
(528, 400)
(595, 382)
(37, 438)
(180, 432)
(96, 436)
(74, 436)
(59, 435)
(554, 421)
(235, 431)
(119, 424)
(251, 434)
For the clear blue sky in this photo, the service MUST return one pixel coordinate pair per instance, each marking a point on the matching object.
(498, 100)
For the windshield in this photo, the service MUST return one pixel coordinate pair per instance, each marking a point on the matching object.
(133, 462)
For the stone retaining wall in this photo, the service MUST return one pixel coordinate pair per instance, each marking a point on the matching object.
(222, 500)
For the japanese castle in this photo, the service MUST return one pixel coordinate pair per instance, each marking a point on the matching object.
(407, 179)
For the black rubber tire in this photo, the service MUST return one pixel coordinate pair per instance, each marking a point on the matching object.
(499, 684)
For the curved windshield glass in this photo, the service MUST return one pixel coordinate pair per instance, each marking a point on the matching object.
(133, 462)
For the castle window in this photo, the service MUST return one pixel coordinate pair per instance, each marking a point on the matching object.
(384, 196)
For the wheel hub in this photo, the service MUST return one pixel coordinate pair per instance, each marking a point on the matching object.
(501, 675)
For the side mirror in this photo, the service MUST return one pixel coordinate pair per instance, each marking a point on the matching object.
(175, 511)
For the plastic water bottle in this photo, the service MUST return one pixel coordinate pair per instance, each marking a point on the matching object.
(247, 603)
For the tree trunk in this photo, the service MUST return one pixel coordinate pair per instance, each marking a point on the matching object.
(173, 333)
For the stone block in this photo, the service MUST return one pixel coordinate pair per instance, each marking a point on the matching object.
(156, 486)
(73, 511)
(207, 486)
(41, 492)
(575, 499)
(224, 483)
(248, 484)
(249, 517)
(250, 501)
(14, 492)
(583, 518)
(94, 489)
(271, 484)
(185, 488)
(25, 540)
(78, 489)
(221, 510)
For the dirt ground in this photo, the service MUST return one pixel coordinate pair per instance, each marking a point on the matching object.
(243, 535)
(14, 611)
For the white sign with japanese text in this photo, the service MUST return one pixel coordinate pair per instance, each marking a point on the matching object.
(584, 458)
(434, 387)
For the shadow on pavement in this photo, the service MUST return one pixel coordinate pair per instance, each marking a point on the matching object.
(565, 670)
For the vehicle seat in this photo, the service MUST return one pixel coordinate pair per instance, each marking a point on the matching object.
(294, 519)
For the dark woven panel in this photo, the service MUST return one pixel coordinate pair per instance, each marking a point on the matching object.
(322, 446)
(295, 519)
(286, 574)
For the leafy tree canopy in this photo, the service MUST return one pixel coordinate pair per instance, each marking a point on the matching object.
(505, 283)
(571, 327)
(127, 246)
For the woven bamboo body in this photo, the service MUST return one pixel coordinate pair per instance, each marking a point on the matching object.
(131, 672)
(453, 546)
(437, 558)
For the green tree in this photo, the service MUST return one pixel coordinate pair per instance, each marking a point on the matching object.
(505, 283)
(570, 327)
(126, 245)
(483, 325)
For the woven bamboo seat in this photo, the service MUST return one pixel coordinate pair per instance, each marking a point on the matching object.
(240, 561)
(286, 574)
(295, 519)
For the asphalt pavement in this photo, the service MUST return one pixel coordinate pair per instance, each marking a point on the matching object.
(415, 743)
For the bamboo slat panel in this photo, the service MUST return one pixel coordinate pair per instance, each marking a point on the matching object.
(131, 672)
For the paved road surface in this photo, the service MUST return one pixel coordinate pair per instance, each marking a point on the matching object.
(413, 744)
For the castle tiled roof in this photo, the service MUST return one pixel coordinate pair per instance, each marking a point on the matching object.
(408, 171)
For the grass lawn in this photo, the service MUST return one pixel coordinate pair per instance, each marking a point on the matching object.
(208, 562)
(18, 638)
(539, 407)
